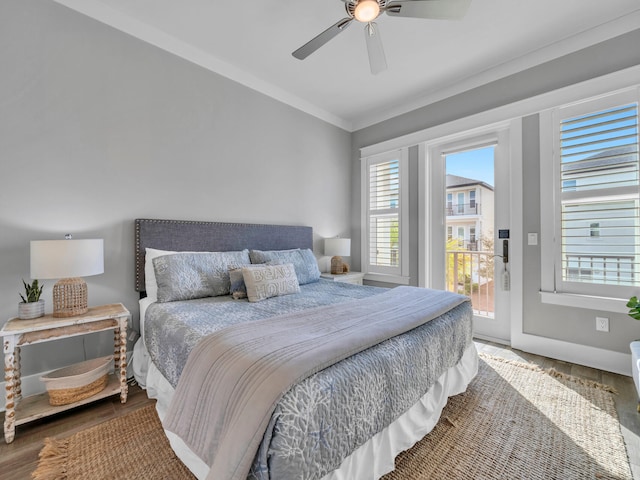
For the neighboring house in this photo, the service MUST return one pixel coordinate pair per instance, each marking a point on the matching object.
(469, 207)
(599, 236)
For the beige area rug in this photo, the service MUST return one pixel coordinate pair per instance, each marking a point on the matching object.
(515, 421)
(129, 447)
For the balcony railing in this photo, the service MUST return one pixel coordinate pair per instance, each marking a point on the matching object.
(607, 269)
(463, 209)
(472, 274)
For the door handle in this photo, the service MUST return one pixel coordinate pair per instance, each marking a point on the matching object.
(505, 251)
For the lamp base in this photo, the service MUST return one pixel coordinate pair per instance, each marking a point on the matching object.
(69, 297)
(338, 267)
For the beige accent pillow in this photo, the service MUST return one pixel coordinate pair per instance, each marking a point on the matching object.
(268, 281)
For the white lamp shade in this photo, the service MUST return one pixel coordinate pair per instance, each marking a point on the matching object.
(67, 258)
(340, 247)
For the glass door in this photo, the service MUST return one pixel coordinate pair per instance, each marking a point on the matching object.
(469, 222)
(469, 258)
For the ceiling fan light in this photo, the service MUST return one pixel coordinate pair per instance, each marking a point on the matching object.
(366, 10)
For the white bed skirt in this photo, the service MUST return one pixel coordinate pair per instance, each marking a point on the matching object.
(373, 459)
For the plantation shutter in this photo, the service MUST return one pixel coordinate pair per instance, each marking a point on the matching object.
(599, 184)
(384, 216)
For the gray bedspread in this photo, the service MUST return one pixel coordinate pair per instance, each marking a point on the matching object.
(322, 419)
(172, 329)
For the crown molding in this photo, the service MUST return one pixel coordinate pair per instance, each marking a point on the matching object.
(552, 51)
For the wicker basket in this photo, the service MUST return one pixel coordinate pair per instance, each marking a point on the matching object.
(77, 382)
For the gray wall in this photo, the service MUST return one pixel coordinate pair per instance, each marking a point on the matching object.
(569, 324)
(572, 325)
(98, 128)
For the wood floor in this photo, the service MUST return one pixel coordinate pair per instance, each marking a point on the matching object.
(19, 459)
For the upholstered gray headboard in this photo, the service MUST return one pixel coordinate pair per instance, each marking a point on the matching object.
(185, 235)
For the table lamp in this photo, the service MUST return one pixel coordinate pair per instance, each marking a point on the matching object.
(67, 260)
(337, 248)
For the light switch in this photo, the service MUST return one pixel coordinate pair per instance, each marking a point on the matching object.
(532, 238)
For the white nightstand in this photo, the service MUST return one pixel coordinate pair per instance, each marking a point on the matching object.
(18, 333)
(351, 277)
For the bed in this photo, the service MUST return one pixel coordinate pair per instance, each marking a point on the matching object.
(340, 419)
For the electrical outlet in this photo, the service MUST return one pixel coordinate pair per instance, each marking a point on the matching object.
(602, 324)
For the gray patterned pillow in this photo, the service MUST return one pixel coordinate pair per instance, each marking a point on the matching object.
(270, 281)
(184, 276)
(238, 288)
(304, 262)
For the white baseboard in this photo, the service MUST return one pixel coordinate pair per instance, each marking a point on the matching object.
(593, 357)
(488, 338)
(32, 385)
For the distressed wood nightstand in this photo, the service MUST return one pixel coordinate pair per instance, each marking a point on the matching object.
(17, 333)
(350, 277)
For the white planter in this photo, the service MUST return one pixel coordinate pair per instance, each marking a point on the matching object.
(27, 311)
(635, 366)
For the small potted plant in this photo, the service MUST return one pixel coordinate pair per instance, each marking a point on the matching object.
(31, 306)
(634, 305)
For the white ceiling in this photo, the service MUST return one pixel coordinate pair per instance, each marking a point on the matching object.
(251, 41)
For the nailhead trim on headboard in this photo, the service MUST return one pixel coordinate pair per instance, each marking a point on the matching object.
(188, 235)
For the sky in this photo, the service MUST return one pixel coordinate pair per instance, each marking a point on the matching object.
(476, 164)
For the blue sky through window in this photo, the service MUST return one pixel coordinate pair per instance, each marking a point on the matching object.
(476, 164)
(590, 135)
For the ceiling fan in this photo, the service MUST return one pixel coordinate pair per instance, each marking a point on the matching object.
(366, 11)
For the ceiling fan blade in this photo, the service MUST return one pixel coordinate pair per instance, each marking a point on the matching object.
(377, 60)
(315, 43)
(435, 9)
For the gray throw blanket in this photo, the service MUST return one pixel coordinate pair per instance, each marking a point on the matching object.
(234, 378)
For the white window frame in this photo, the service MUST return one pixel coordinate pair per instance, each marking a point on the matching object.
(511, 115)
(553, 289)
(433, 199)
(399, 274)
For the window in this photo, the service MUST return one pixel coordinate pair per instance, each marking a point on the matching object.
(460, 236)
(461, 202)
(596, 173)
(383, 225)
(449, 232)
(473, 243)
(472, 201)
